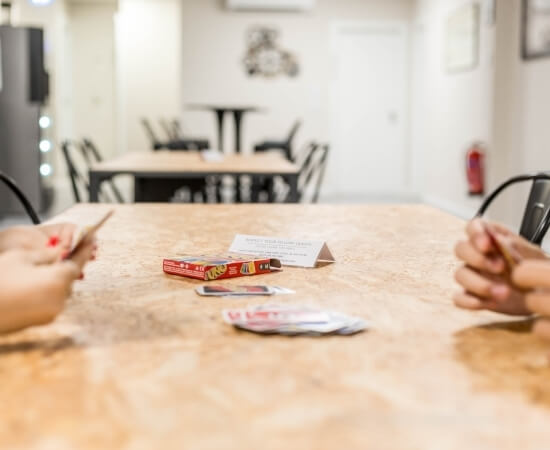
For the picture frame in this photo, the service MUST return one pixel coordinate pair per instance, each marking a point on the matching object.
(535, 29)
(462, 34)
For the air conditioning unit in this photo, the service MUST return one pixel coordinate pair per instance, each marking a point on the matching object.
(270, 5)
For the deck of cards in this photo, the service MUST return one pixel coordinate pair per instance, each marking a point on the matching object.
(240, 291)
(293, 321)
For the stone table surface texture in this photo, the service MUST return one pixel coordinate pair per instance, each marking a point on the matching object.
(139, 361)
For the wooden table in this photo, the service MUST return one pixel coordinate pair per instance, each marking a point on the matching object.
(150, 167)
(138, 361)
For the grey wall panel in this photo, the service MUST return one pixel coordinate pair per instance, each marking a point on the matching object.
(19, 130)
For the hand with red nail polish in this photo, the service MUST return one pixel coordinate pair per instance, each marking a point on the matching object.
(485, 277)
(37, 237)
(35, 285)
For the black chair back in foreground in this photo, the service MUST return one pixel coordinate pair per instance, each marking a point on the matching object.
(285, 145)
(536, 217)
(12, 185)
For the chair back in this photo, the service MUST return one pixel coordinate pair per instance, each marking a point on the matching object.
(91, 154)
(295, 127)
(168, 130)
(78, 181)
(536, 218)
(320, 169)
(156, 144)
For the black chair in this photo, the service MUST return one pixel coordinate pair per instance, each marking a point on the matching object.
(91, 154)
(316, 174)
(285, 145)
(12, 185)
(156, 143)
(173, 141)
(536, 217)
(72, 152)
(79, 183)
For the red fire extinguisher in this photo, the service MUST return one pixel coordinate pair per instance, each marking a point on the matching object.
(475, 169)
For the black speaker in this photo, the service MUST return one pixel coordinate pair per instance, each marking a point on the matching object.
(39, 83)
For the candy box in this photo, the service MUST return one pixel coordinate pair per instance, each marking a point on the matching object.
(219, 267)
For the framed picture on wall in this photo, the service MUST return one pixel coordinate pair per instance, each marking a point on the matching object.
(535, 29)
(462, 39)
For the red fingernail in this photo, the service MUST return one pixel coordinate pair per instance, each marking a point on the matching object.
(53, 241)
(81, 277)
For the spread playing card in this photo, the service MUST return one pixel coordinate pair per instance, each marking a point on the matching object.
(293, 320)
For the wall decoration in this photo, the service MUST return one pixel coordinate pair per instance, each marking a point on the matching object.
(462, 39)
(265, 58)
(536, 29)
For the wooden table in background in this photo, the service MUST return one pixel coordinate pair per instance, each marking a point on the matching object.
(139, 361)
(148, 168)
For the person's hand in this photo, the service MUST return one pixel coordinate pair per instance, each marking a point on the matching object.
(35, 285)
(534, 276)
(485, 278)
(37, 237)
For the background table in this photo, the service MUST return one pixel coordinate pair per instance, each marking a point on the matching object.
(238, 114)
(138, 361)
(152, 171)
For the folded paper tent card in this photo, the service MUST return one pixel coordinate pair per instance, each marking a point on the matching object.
(290, 252)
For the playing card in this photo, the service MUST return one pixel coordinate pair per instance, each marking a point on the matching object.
(503, 246)
(85, 233)
(293, 320)
(223, 291)
(282, 290)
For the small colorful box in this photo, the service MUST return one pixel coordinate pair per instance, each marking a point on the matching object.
(209, 268)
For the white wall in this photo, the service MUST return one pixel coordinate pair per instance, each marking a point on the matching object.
(91, 30)
(449, 111)
(522, 108)
(214, 44)
(148, 54)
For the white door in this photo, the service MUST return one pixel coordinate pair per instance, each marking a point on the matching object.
(369, 101)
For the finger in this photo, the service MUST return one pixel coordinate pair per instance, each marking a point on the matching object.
(43, 257)
(532, 274)
(473, 282)
(66, 235)
(84, 254)
(478, 236)
(68, 271)
(538, 302)
(465, 251)
(542, 328)
(467, 301)
(526, 249)
(501, 229)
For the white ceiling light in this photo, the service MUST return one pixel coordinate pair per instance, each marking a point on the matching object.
(41, 2)
(45, 170)
(270, 5)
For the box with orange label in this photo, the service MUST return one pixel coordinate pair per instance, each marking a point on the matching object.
(219, 267)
